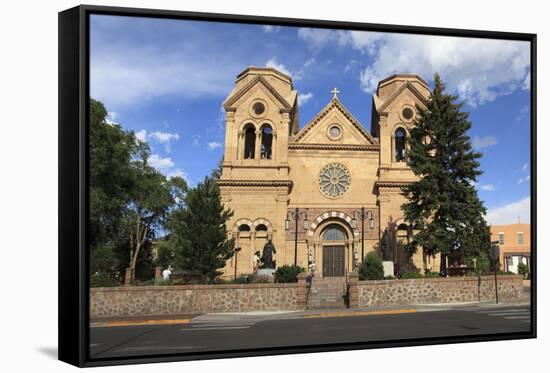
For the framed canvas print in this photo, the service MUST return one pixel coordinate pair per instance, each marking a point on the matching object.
(239, 186)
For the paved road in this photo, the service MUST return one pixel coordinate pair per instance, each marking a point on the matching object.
(214, 333)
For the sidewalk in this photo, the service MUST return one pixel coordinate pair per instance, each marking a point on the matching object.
(307, 314)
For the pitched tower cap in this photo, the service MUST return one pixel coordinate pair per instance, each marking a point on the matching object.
(254, 70)
(397, 77)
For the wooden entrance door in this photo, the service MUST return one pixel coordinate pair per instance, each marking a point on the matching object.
(333, 261)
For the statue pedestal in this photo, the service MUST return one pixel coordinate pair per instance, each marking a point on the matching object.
(388, 268)
(266, 272)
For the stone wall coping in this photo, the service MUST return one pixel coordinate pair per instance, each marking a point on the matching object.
(435, 279)
(196, 287)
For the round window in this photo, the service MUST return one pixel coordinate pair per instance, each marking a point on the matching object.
(335, 131)
(408, 113)
(258, 108)
(334, 180)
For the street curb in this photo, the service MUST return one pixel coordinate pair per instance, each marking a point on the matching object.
(118, 323)
(364, 313)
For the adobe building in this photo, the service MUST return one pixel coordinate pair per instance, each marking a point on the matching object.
(514, 241)
(329, 172)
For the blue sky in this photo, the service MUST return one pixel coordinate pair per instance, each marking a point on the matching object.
(166, 80)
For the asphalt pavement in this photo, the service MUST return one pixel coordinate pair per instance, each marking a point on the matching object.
(217, 332)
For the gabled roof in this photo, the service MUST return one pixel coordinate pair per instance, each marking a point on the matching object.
(381, 106)
(235, 96)
(334, 104)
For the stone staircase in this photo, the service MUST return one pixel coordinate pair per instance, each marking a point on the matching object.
(327, 292)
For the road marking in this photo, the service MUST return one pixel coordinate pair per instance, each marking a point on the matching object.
(107, 324)
(518, 317)
(366, 313)
(149, 348)
(508, 313)
(507, 310)
(219, 325)
(215, 328)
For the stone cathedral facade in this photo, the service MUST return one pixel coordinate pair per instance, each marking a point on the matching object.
(340, 180)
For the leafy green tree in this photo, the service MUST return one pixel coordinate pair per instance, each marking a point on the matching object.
(523, 270)
(217, 172)
(443, 204)
(165, 254)
(111, 152)
(372, 268)
(149, 202)
(199, 233)
(288, 273)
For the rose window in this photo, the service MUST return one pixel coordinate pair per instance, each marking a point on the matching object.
(334, 180)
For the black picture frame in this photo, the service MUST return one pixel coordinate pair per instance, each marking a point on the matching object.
(73, 181)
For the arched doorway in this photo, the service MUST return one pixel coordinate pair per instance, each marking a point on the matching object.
(334, 239)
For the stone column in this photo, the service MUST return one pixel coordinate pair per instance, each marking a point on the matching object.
(301, 302)
(353, 283)
(128, 277)
(158, 273)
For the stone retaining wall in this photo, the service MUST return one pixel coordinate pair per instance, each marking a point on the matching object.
(437, 290)
(170, 300)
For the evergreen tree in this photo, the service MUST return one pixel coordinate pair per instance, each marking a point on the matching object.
(199, 233)
(443, 206)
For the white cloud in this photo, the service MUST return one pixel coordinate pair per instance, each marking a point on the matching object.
(483, 142)
(111, 116)
(487, 187)
(270, 28)
(508, 214)
(309, 62)
(303, 98)
(318, 38)
(141, 135)
(522, 113)
(527, 82)
(524, 179)
(478, 70)
(525, 167)
(178, 173)
(213, 145)
(160, 163)
(165, 138)
(350, 65)
(272, 62)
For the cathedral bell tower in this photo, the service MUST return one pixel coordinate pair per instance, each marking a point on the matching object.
(261, 115)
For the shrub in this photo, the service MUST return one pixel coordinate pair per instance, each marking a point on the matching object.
(430, 274)
(288, 273)
(371, 268)
(242, 279)
(102, 280)
(410, 275)
(523, 270)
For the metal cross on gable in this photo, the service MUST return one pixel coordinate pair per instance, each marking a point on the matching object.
(335, 92)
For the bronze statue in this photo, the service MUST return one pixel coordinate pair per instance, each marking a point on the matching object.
(267, 255)
(386, 246)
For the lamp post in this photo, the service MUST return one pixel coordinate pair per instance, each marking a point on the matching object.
(494, 253)
(296, 216)
(363, 215)
(237, 249)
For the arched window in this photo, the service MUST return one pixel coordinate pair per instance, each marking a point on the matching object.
(244, 228)
(267, 142)
(261, 228)
(334, 232)
(400, 140)
(249, 141)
